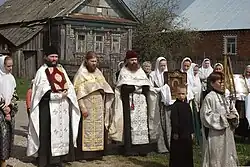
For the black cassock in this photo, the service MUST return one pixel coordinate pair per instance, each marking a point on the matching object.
(181, 150)
(129, 148)
(45, 157)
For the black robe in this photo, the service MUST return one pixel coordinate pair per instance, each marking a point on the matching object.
(45, 157)
(243, 129)
(181, 150)
(129, 148)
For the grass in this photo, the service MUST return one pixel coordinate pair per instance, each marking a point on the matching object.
(159, 160)
(22, 87)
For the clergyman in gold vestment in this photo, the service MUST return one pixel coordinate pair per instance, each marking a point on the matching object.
(95, 97)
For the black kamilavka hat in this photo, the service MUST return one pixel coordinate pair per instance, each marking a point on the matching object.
(50, 50)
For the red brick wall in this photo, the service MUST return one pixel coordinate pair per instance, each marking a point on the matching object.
(211, 45)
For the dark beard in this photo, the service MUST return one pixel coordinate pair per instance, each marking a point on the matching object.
(49, 64)
(91, 69)
(133, 67)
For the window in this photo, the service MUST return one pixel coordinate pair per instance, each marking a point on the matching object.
(99, 43)
(81, 43)
(230, 45)
(116, 43)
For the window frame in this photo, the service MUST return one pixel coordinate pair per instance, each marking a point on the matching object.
(99, 42)
(226, 43)
(119, 43)
(77, 42)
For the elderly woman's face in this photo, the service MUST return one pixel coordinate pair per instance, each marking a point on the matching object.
(147, 68)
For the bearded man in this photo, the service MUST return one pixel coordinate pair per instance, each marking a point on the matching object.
(54, 113)
(130, 120)
(95, 97)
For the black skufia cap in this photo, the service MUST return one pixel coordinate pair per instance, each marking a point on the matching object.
(48, 50)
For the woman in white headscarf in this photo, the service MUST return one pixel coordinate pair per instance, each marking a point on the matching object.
(8, 108)
(204, 73)
(163, 97)
(218, 67)
(195, 104)
(186, 67)
(196, 84)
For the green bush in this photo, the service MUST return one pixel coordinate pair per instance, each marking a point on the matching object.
(22, 87)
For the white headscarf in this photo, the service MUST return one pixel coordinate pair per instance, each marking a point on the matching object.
(186, 59)
(196, 83)
(7, 83)
(219, 64)
(190, 94)
(205, 72)
(158, 75)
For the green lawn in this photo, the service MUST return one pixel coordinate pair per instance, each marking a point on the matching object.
(158, 160)
(22, 87)
(243, 151)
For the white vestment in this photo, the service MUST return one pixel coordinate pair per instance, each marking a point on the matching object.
(218, 144)
(59, 110)
(139, 116)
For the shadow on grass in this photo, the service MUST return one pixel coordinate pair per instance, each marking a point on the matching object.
(19, 152)
(20, 133)
(146, 163)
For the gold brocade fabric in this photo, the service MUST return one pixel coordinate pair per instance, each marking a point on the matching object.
(93, 125)
(86, 82)
(95, 96)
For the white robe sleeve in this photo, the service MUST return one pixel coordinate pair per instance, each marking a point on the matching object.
(210, 118)
(166, 95)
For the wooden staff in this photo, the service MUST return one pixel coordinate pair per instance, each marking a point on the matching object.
(229, 79)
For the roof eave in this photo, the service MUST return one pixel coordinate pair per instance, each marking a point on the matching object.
(97, 21)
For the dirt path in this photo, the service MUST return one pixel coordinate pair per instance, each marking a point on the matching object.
(21, 160)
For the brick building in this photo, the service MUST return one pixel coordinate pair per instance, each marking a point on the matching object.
(223, 27)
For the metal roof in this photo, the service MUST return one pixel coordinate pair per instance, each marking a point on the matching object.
(209, 15)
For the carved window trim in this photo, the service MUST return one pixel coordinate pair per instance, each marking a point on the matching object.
(83, 49)
(118, 43)
(99, 42)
